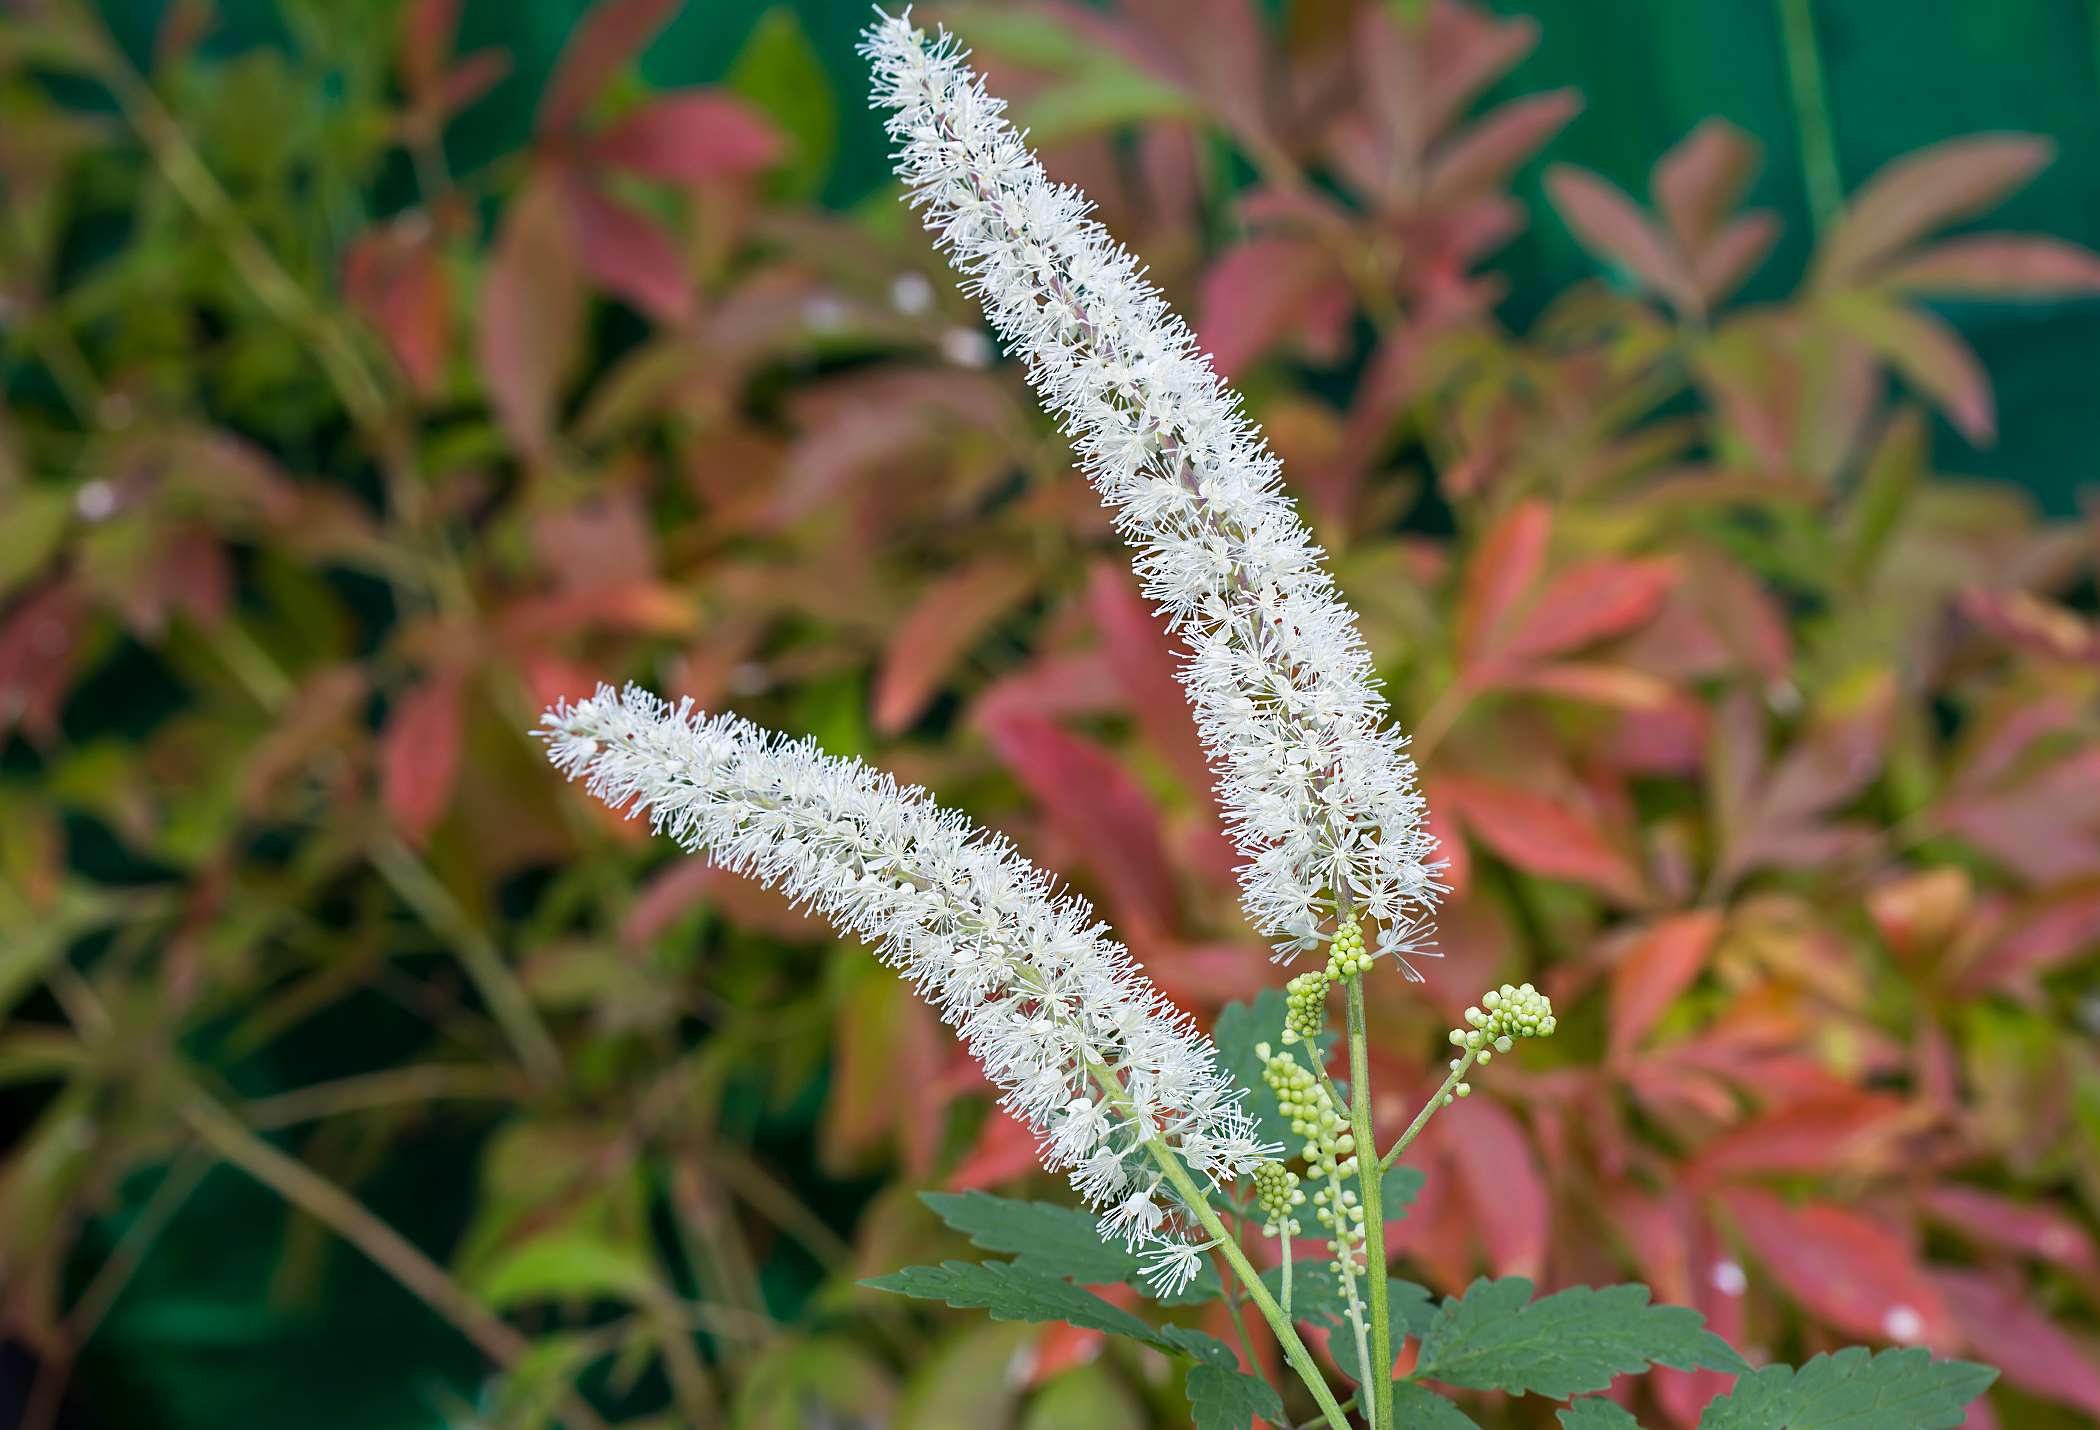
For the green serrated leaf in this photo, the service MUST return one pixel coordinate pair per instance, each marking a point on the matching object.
(1221, 1399)
(1007, 1292)
(1420, 1408)
(1497, 1338)
(1207, 1349)
(1595, 1414)
(1041, 1236)
(1855, 1389)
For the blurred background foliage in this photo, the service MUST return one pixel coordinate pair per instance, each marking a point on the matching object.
(1697, 401)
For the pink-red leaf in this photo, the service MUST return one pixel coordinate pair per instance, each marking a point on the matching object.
(420, 750)
(2004, 1329)
(1508, 1199)
(627, 252)
(1539, 834)
(691, 137)
(1848, 1269)
(1498, 574)
(1490, 150)
(1588, 602)
(1927, 190)
(396, 282)
(1098, 810)
(939, 629)
(609, 36)
(532, 311)
(2000, 265)
(1261, 289)
(1702, 178)
(1930, 356)
(1606, 222)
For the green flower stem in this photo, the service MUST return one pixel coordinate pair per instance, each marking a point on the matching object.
(1286, 1335)
(1377, 1371)
(1192, 1195)
(1436, 1100)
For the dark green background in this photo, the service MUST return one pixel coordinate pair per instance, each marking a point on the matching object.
(201, 1340)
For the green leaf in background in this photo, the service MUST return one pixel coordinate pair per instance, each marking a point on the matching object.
(1398, 1190)
(1239, 1029)
(1855, 1389)
(37, 517)
(1007, 1292)
(566, 1266)
(1595, 1414)
(1200, 1346)
(1497, 1338)
(1221, 1399)
(779, 72)
(1420, 1408)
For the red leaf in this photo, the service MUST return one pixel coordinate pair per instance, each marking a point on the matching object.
(1847, 1269)
(1099, 811)
(38, 641)
(691, 137)
(419, 752)
(532, 312)
(2005, 1330)
(1659, 966)
(1588, 602)
(613, 33)
(2041, 826)
(627, 252)
(1142, 655)
(1003, 1151)
(939, 629)
(1702, 178)
(1845, 1132)
(1508, 1201)
(2007, 1224)
(1488, 151)
(1734, 255)
(395, 280)
(427, 31)
(1500, 571)
(1927, 190)
(1538, 834)
(1261, 289)
(2061, 927)
(1606, 222)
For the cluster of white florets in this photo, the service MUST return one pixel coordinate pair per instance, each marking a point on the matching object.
(1316, 784)
(1051, 1007)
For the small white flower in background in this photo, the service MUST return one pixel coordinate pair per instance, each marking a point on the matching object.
(1316, 784)
(1030, 981)
(1171, 1266)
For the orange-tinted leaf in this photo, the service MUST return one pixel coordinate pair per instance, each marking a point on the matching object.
(1927, 354)
(938, 630)
(1619, 686)
(1487, 152)
(1004, 1150)
(611, 34)
(627, 252)
(1098, 810)
(532, 311)
(1702, 178)
(2004, 1329)
(1848, 1269)
(1920, 192)
(1660, 964)
(1500, 571)
(691, 137)
(1538, 834)
(419, 752)
(1606, 222)
(1921, 911)
(2033, 624)
(2000, 265)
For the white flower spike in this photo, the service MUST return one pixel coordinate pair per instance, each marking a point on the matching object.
(1316, 783)
(1050, 1006)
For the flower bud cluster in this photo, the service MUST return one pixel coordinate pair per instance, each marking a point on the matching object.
(1503, 1015)
(1346, 959)
(1278, 1195)
(1330, 1151)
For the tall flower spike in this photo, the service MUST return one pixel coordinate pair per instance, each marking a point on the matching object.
(1084, 1049)
(1317, 787)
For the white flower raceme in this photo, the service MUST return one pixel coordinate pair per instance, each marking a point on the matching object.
(1316, 784)
(1084, 1049)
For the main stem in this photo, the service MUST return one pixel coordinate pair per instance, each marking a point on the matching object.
(1378, 1379)
(1286, 1335)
